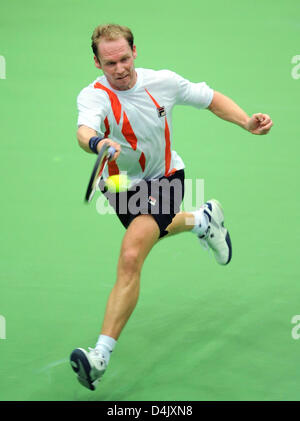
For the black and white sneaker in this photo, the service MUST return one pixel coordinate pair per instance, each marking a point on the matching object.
(88, 365)
(216, 236)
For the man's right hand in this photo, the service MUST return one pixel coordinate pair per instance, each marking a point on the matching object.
(110, 142)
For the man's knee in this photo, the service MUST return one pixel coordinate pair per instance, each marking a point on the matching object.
(140, 237)
(130, 260)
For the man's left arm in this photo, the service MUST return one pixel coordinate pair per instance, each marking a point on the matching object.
(228, 110)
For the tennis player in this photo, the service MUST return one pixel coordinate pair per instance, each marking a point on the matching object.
(131, 109)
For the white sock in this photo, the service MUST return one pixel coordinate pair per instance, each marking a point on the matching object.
(201, 222)
(105, 345)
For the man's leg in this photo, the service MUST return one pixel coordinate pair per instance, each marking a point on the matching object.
(182, 222)
(208, 224)
(140, 237)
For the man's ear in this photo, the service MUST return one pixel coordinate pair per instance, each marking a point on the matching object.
(97, 63)
(134, 52)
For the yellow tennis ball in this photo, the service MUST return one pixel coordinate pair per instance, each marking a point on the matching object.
(117, 183)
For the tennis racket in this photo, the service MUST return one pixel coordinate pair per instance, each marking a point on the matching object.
(105, 154)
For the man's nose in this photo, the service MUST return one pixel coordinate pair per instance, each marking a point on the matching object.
(119, 68)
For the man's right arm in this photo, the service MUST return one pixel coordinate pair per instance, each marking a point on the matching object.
(84, 134)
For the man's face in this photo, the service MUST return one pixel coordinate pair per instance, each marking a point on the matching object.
(117, 63)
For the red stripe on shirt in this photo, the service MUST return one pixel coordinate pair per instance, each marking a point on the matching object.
(114, 101)
(167, 139)
(128, 132)
(107, 128)
(113, 168)
(155, 102)
(142, 161)
(167, 149)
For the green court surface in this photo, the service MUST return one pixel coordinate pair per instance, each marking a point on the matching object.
(200, 331)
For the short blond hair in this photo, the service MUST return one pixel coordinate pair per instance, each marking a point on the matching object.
(110, 32)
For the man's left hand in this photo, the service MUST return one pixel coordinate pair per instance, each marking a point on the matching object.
(259, 124)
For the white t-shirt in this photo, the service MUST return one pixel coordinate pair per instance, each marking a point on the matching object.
(140, 119)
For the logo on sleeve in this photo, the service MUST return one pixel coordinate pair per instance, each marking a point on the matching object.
(161, 111)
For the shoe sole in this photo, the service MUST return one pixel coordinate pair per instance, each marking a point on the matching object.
(80, 364)
(227, 237)
(228, 241)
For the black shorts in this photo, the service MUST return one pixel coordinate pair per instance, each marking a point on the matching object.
(160, 198)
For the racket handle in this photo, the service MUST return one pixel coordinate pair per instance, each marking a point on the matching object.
(111, 152)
